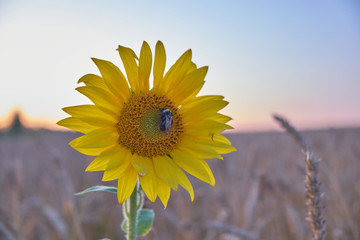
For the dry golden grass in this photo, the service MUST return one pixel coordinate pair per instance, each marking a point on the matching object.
(259, 193)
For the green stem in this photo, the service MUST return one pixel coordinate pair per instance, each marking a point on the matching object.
(132, 213)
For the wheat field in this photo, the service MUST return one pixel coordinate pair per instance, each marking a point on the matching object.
(259, 191)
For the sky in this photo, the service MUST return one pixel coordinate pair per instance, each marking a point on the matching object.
(299, 59)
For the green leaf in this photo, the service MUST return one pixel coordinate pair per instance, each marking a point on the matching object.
(98, 189)
(145, 218)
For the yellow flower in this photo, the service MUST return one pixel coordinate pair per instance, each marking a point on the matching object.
(149, 135)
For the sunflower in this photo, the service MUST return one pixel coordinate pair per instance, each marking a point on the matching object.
(149, 135)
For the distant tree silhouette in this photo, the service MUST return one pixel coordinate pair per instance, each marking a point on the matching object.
(16, 126)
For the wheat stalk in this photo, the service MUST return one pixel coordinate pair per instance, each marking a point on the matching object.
(313, 192)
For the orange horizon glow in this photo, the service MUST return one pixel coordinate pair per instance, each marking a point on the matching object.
(246, 126)
(28, 122)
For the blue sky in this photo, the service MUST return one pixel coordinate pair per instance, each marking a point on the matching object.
(300, 59)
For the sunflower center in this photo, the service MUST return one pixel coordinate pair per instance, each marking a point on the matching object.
(142, 125)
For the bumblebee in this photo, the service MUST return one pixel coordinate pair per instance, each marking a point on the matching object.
(166, 120)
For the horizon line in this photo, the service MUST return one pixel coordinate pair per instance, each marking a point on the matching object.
(248, 127)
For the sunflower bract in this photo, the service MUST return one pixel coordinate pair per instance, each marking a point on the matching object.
(122, 128)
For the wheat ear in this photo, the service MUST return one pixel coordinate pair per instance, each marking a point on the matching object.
(313, 194)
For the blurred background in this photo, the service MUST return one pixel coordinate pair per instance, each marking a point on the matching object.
(266, 56)
(300, 59)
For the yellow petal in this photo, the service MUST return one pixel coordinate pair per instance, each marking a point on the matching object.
(192, 67)
(76, 125)
(110, 175)
(221, 118)
(185, 183)
(166, 169)
(145, 63)
(159, 65)
(221, 138)
(209, 172)
(117, 157)
(98, 164)
(91, 115)
(101, 162)
(142, 164)
(93, 80)
(126, 184)
(205, 128)
(210, 142)
(114, 79)
(198, 150)
(103, 99)
(149, 184)
(163, 191)
(90, 151)
(99, 138)
(191, 165)
(203, 110)
(87, 151)
(119, 161)
(199, 100)
(189, 86)
(128, 58)
(176, 72)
